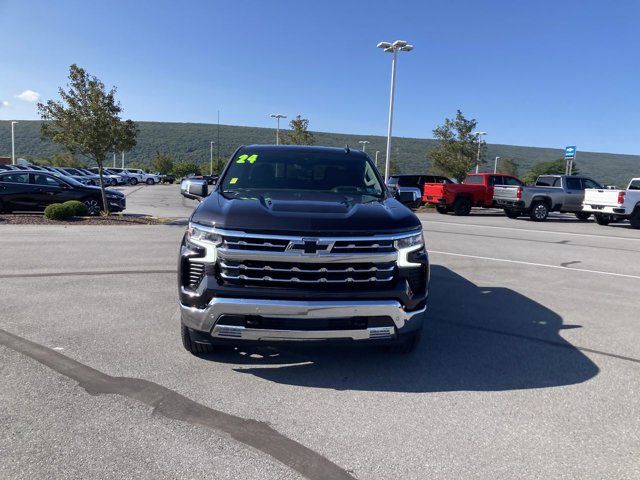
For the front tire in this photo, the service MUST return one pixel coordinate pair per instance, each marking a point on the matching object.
(602, 219)
(583, 216)
(462, 207)
(196, 348)
(512, 213)
(150, 181)
(635, 218)
(442, 209)
(539, 212)
(133, 181)
(407, 343)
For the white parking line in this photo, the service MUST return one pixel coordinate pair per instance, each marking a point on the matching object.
(610, 237)
(520, 262)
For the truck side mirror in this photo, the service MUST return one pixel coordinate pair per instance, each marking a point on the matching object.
(194, 189)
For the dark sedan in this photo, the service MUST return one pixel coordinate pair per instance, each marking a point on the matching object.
(32, 190)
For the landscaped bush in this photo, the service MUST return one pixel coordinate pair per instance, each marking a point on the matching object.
(58, 211)
(77, 208)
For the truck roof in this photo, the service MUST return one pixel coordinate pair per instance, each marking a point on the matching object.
(304, 148)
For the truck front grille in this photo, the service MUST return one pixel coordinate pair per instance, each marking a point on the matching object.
(269, 272)
(280, 245)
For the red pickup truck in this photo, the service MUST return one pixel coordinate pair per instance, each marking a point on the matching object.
(459, 198)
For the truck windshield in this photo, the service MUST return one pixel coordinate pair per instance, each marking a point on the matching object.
(295, 170)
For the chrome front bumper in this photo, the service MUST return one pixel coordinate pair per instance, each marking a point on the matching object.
(205, 319)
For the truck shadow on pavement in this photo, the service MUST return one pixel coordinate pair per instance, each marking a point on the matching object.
(475, 338)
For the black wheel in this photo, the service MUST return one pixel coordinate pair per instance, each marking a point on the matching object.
(539, 211)
(196, 348)
(93, 206)
(133, 181)
(406, 344)
(150, 181)
(4, 208)
(635, 218)
(602, 218)
(442, 209)
(512, 213)
(462, 207)
(583, 216)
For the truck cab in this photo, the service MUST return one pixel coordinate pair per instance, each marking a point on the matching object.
(300, 244)
(476, 191)
(608, 205)
(551, 193)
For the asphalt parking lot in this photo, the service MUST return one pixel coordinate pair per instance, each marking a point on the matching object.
(529, 368)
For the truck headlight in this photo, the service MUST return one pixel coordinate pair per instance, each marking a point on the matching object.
(408, 242)
(197, 234)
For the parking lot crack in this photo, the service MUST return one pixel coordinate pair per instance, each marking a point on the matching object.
(170, 404)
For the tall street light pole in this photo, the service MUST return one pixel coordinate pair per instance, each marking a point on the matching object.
(13, 144)
(393, 48)
(479, 137)
(364, 144)
(377, 152)
(211, 160)
(122, 159)
(278, 116)
(495, 165)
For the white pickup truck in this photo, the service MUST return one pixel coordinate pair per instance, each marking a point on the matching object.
(610, 205)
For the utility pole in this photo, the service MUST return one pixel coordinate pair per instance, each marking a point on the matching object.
(495, 165)
(114, 159)
(13, 144)
(211, 160)
(393, 48)
(277, 116)
(479, 137)
(122, 159)
(377, 152)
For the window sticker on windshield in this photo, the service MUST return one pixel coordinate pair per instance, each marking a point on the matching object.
(233, 180)
(246, 158)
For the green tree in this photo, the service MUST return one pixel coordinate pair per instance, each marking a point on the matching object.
(86, 121)
(508, 166)
(457, 149)
(162, 163)
(553, 167)
(184, 168)
(299, 134)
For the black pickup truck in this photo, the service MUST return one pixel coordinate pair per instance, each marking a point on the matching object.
(300, 244)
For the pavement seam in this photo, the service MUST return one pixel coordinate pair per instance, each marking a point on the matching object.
(87, 273)
(172, 405)
(534, 264)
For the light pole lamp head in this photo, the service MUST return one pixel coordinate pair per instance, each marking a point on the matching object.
(384, 45)
(406, 48)
(399, 44)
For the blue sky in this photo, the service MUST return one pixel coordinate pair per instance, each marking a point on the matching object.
(543, 73)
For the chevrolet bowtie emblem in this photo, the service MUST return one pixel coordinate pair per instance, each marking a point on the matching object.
(310, 246)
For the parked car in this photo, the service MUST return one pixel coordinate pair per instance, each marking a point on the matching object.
(167, 178)
(32, 190)
(79, 178)
(6, 167)
(148, 178)
(110, 179)
(134, 178)
(300, 244)
(475, 191)
(610, 205)
(551, 193)
(120, 177)
(413, 183)
(91, 178)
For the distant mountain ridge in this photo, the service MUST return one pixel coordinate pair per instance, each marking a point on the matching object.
(191, 141)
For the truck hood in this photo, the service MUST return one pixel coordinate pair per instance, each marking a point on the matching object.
(304, 213)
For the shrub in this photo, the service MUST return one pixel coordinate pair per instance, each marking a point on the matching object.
(58, 211)
(78, 209)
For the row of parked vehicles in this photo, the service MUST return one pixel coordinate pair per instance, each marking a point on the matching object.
(90, 176)
(575, 194)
